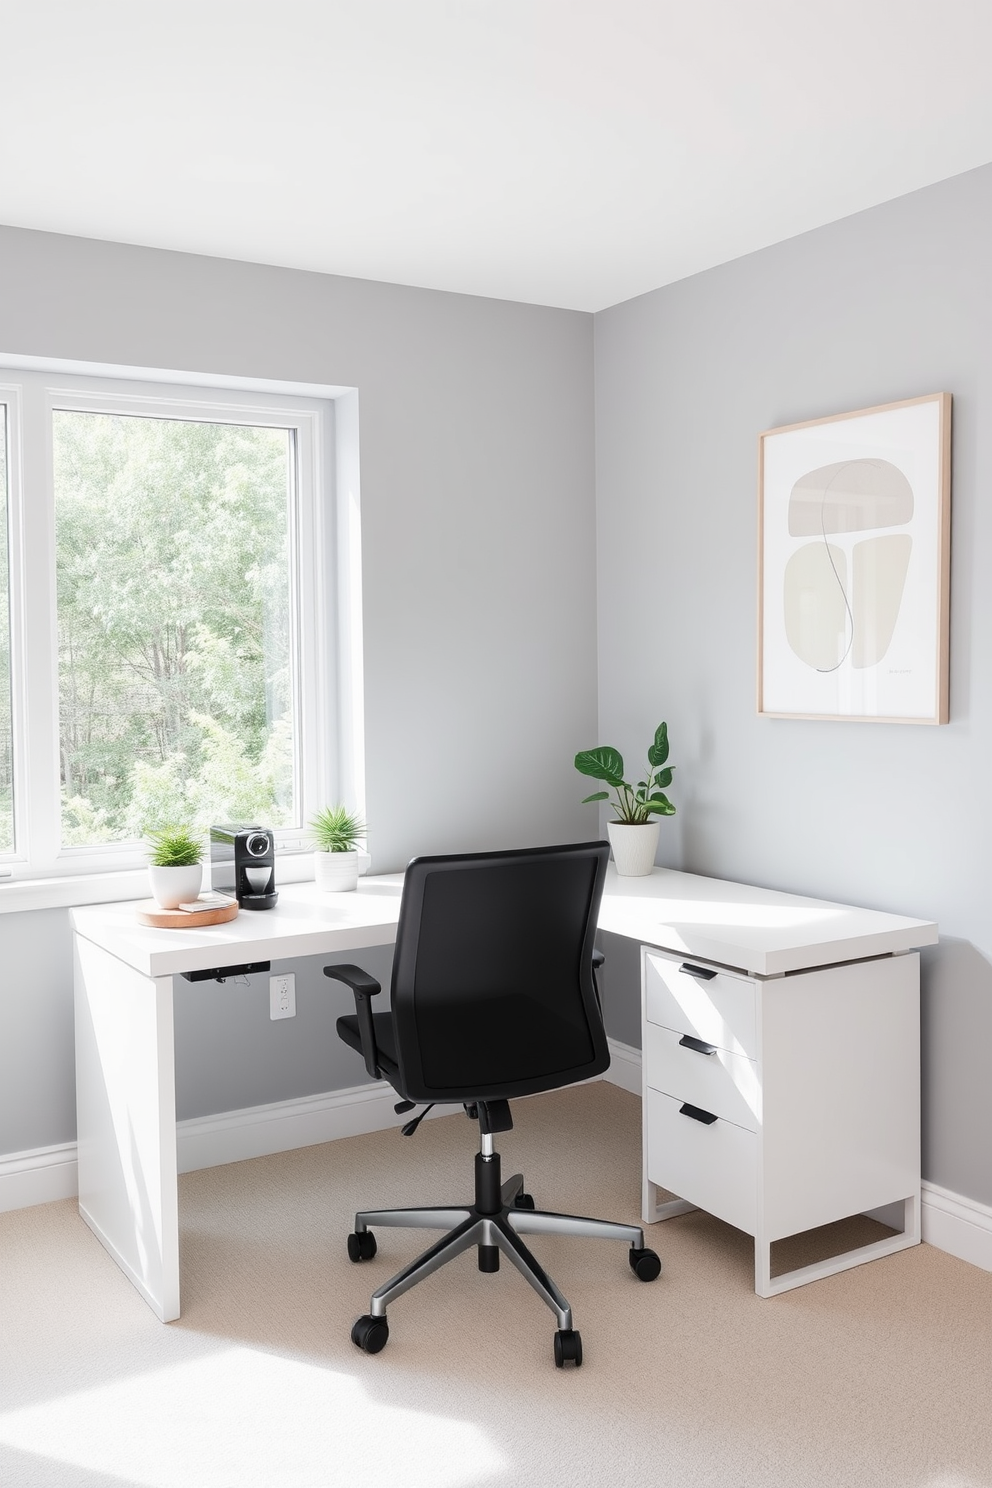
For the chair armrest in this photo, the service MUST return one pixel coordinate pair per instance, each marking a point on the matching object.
(365, 988)
(354, 977)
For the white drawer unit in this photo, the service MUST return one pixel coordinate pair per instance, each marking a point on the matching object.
(781, 1103)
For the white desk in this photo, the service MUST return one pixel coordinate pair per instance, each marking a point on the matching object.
(125, 1052)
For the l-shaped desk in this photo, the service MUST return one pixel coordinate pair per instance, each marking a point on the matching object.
(780, 1056)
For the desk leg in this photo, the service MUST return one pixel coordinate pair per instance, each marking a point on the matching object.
(126, 1121)
(768, 1286)
(652, 1211)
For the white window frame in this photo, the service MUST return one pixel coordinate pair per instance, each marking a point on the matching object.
(325, 596)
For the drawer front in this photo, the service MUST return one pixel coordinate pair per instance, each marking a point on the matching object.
(726, 1084)
(718, 1008)
(713, 1167)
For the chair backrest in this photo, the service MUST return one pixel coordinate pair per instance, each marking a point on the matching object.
(492, 991)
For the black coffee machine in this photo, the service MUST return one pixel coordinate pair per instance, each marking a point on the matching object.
(243, 864)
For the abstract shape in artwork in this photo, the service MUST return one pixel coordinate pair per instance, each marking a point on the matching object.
(851, 496)
(824, 623)
(879, 568)
(817, 617)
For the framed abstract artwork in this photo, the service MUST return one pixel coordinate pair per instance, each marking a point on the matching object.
(854, 565)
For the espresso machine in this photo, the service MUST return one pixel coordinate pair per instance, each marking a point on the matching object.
(243, 865)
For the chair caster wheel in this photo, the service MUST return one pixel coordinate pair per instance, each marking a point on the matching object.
(524, 1201)
(370, 1333)
(568, 1348)
(361, 1246)
(645, 1264)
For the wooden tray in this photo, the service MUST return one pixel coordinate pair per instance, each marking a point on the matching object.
(150, 913)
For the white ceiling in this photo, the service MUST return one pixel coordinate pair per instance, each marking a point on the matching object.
(565, 152)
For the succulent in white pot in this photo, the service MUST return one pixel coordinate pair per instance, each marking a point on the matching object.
(175, 865)
(633, 833)
(338, 859)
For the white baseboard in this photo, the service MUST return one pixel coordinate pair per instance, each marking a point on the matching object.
(37, 1176)
(232, 1136)
(962, 1227)
(625, 1067)
(44, 1174)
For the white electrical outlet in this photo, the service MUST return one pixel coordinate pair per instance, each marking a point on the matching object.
(282, 995)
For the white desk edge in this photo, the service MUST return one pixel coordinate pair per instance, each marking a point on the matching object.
(762, 931)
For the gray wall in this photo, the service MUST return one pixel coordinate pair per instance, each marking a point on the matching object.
(229, 1054)
(37, 1075)
(889, 304)
(476, 421)
(477, 458)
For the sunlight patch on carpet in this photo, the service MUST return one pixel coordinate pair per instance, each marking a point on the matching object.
(249, 1418)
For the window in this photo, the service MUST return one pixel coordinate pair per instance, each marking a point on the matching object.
(168, 617)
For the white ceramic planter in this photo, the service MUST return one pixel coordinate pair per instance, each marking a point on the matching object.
(174, 886)
(634, 848)
(337, 871)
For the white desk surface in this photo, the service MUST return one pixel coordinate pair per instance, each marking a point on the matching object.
(305, 922)
(758, 930)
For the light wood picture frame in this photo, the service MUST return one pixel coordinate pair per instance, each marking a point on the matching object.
(854, 514)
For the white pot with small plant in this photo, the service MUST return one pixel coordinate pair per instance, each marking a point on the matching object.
(634, 831)
(336, 834)
(175, 865)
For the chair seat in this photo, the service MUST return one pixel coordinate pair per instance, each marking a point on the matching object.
(385, 1039)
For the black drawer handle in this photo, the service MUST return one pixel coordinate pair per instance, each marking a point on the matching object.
(697, 1114)
(705, 972)
(688, 1042)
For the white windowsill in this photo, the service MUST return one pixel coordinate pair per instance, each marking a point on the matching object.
(108, 888)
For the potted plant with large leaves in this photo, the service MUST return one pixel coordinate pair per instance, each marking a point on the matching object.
(634, 831)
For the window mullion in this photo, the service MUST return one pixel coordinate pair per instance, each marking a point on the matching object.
(311, 661)
(34, 637)
(342, 557)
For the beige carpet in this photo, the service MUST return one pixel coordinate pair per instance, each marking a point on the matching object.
(881, 1376)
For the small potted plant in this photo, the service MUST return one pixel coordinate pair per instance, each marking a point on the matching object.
(336, 833)
(175, 859)
(634, 831)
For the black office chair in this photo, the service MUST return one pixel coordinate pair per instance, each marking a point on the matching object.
(493, 996)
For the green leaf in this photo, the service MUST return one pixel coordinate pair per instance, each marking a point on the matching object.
(658, 753)
(602, 764)
(660, 804)
(336, 829)
(174, 847)
(664, 777)
(599, 796)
